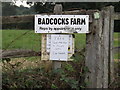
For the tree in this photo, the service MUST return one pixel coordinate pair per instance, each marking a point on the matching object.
(24, 10)
(8, 8)
(43, 7)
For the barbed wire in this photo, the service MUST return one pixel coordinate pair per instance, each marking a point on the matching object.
(15, 40)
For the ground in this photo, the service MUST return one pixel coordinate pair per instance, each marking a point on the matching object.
(27, 39)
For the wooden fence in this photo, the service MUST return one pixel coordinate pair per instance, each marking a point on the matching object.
(99, 43)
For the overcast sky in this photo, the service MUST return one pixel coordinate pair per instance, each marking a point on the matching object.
(18, 3)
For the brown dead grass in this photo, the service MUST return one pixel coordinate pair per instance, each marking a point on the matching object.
(117, 60)
(24, 64)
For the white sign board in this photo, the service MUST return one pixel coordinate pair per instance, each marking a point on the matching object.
(59, 47)
(46, 46)
(61, 23)
(48, 43)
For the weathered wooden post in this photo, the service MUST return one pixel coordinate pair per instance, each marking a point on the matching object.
(111, 40)
(93, 52)
(99, 42)
(57, 11)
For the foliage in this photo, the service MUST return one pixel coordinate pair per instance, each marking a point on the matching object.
(71, 75)
(8, 8)
(116, 81)
(43, 7)
(68, 77)
(24, 10)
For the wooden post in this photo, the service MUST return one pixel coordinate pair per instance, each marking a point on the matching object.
(106, 37)
(99, 58)
(111, 31)
(57, 10)
(108, 26)
(93, 61)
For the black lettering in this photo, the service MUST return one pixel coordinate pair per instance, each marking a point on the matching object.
(83, 21)
(51, 21)
(59, 21)
(63, 21)
(43, 21)
(72, 21)
(55, 21)
(78, 21)
(47, 20)
(39, 20)
(67, 21)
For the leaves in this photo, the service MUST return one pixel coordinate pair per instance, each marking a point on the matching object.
(69, 76)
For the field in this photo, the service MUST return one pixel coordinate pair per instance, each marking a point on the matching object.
(27, 39)
(29, 71)
(117, 44)
(20, 39)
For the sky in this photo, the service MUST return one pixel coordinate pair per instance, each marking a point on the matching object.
(18, 3)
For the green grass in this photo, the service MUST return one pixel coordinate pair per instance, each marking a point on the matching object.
(80, 41)
(117, 56)
(116, 39)
(30, 40)
(15, 39)
(117, 44)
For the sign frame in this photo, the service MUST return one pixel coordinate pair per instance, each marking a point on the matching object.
(61, 23)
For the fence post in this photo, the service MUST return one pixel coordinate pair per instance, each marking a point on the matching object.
(93, 54)
(99, 43)
(108, 27)
(57, 10)
(111, 60)
(106, 49)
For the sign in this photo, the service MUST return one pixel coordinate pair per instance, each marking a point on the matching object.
(59, 47)
(61, 23)
(46, 46)
(70, 43)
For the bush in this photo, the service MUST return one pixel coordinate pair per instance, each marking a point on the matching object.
(71, 75)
